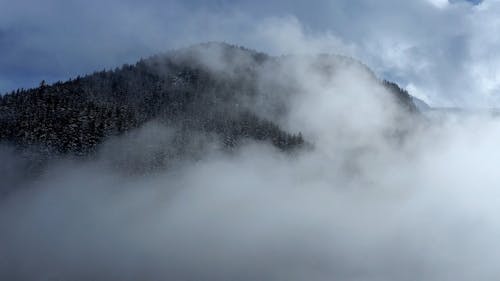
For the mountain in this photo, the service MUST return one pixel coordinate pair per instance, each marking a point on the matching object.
(211, 89)
(420, 104)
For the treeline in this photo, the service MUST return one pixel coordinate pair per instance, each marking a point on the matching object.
(176, 88)
(75, 116)
(401, 96)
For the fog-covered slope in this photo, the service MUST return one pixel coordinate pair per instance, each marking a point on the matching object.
(219, 163)
(219, 90)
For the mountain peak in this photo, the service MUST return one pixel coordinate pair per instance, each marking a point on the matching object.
(213, 89)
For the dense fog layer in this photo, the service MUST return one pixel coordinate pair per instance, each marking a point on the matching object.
(379, 194)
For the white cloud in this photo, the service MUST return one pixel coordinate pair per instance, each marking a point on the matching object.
(361, 204)
(441, 4)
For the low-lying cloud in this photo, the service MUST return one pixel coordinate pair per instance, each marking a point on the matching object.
(362, 203)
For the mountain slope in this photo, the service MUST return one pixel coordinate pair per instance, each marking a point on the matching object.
(213, 89)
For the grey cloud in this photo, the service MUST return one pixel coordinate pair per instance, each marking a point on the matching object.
(430, 50)
(356, 206)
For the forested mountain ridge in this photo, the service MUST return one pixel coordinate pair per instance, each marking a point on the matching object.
(215, 93)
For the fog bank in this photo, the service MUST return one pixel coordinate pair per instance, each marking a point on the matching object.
(380, 195)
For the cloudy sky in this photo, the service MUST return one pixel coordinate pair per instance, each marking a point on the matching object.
(445, 52)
